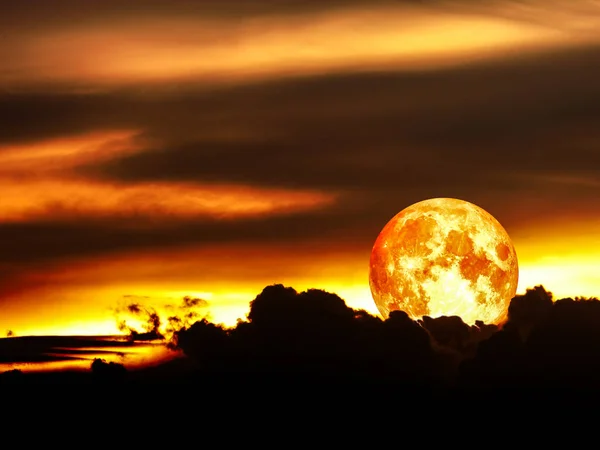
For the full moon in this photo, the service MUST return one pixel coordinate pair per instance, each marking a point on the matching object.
(444, 257)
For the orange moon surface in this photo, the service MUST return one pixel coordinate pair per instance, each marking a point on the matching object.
(444, 257)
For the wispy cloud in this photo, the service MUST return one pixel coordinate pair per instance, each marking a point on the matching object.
(151, 47)
(256, 139)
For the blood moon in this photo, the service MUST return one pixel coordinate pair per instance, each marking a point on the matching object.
(444, 257)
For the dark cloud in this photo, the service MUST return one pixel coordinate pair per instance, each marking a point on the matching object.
(314, 333)
(394, 130)
(482, 131)
(192, 302)
(31, 242)
(385, 130)
(64, 12)
(56, 348)
(316, 326)
(187, 312)
(108, 371)
(293, 340)
(30, 117)
(134, 308)
(151, 326)
(68, 12)
(495, 133)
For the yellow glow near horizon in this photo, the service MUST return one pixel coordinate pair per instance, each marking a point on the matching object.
(225, 308)
(93, 327)
(40, 185)
(564, 277)
(563, 256)
(79, 297)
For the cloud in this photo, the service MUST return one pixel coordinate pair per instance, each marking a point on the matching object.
(489, 133)
(151, 322)
(90, 169)
(322, 339)
(372, 127)
(155, 323)
(47, 241)
(484, 132)
(85, 200)
(191, 302)
(271, 39)
(312, 338)
(45, 114)
(380, 130)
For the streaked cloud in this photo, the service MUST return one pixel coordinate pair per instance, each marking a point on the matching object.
(84, 200)
(152, 47)
(158, 148)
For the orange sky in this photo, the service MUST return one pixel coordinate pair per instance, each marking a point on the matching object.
(162, 151)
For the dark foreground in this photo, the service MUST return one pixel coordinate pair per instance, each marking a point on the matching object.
(181, 385)
(310, 347)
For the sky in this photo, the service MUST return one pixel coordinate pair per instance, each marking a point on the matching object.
(155, 150)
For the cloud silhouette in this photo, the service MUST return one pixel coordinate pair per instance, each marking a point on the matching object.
(108, 371)
(517, 133)
(544, 345)
(154, 326)
(314, 335)
(151, 326)
(293, 340)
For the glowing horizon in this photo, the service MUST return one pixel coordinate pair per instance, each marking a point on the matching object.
(214, 149)
(563, 277)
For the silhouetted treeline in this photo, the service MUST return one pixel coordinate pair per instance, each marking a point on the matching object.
(296, 339)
